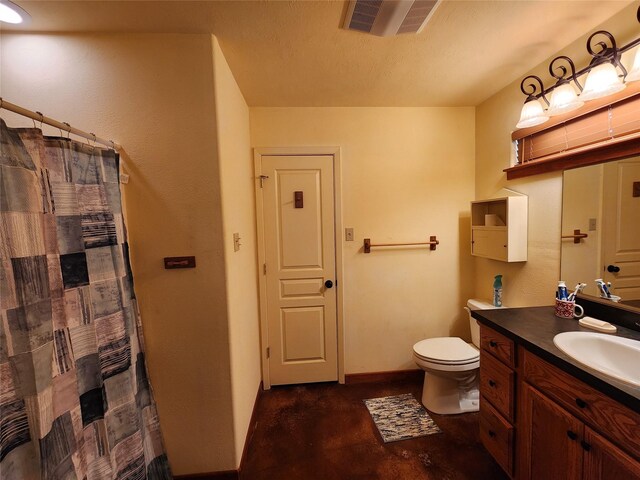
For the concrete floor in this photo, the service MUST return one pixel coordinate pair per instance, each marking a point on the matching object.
(324, 431)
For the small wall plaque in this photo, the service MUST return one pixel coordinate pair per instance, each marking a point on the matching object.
(179, 262)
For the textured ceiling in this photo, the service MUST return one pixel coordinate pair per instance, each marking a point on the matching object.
(294, 53)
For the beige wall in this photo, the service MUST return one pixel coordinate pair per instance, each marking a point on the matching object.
(154, 94)
(533, 282)
(238, 215)
(407, 173)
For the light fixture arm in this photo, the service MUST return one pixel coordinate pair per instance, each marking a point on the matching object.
(531, 89)
(562, 77)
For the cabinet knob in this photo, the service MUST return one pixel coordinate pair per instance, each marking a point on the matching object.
(581, 403)
(492, 383)
(328, 284)
(492, 434)
(572, 435)
(586, 446)
(492, 343)
(613, 268)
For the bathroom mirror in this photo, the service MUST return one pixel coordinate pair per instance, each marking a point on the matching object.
(601, 228)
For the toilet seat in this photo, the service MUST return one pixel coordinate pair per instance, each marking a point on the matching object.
(451, 351)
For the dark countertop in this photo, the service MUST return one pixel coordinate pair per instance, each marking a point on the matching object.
(535, 327)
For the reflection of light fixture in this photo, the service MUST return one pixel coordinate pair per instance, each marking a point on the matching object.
(603, 80)
(605, 75)
(12, 13)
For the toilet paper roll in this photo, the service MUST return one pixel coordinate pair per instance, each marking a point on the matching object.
(493, 220)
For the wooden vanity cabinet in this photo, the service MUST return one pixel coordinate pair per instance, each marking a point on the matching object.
(563, 425)
(550, 439)
(555, 444)
(546, 424)
(605, 461)
(497, 396)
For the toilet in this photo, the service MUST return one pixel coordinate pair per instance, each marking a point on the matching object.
(451, 368)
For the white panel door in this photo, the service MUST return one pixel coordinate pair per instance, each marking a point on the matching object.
(621, 233)
(299, 237)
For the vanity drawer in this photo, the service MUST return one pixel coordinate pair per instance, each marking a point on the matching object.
(497, 384)
(498, 345)
(617, 422)
(496, 435)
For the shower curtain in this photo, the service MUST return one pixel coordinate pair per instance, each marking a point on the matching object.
(75, 401)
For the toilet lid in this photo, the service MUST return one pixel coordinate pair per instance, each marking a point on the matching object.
(446, 350)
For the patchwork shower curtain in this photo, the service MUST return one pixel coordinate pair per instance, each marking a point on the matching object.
(75, 401)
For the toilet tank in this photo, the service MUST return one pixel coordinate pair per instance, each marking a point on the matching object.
(475, 304)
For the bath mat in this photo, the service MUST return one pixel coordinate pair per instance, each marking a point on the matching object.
(400, 417)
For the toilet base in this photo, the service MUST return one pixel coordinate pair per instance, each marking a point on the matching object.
(450, 396)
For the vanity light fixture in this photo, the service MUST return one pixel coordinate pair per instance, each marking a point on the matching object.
(605, 75)
(12, 13)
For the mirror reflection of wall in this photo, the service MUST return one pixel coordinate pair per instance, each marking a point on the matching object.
(603, 201)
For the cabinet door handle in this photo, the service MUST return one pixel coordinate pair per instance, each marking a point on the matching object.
(492, 383)
(492, 434)
(581, 403)
(586, 446)
(492, 343)
(572, 435)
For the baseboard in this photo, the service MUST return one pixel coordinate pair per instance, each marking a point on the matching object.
(225, 475)
(253, 423)
(378, 377)
(231, 474)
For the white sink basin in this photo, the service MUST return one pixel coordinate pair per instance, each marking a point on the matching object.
(614, 356)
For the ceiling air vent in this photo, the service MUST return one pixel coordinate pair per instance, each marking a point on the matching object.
(389, 17)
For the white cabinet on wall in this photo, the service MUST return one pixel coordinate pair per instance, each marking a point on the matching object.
(499, 228)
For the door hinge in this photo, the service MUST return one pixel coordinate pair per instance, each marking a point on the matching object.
(268, 352)
(264, 268)
(262, 179)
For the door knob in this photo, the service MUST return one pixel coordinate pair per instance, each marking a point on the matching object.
(613, 268)
(328, 284)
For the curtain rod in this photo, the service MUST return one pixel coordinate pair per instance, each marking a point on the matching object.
(54, 123)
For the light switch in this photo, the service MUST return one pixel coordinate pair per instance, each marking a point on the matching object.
(348, 234)
(236, 242)
(592, 224)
